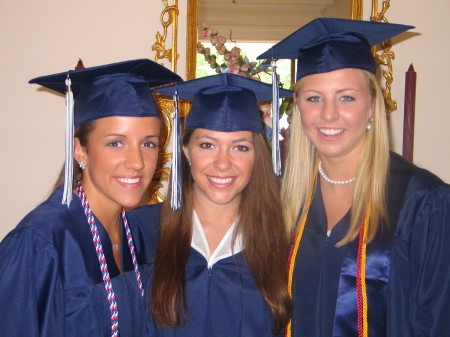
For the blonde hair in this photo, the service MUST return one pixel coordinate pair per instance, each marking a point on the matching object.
(371, 177)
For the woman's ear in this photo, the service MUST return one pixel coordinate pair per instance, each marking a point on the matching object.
(372, 109)
(79, 151)
(186, 152)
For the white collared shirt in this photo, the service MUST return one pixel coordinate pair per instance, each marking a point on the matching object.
(223, 250)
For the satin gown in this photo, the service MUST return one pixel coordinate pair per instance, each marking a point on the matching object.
(50, 279)
(407, 273)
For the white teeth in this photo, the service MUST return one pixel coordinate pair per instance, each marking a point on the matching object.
(221, 180)
(331, 132)
(128, 180)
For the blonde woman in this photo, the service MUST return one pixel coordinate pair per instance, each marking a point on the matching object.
(370, 230)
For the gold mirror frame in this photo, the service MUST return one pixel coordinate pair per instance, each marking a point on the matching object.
(383, 53)
(169, 19)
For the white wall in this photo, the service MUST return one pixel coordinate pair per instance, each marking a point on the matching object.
(45, 37)
(428, 49)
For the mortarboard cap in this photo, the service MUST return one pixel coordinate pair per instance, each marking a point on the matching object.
(225, 103)
(327, 44)
(117, 89)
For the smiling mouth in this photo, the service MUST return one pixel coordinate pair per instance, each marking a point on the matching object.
(331, 132)
(220, 180)
(128, 180)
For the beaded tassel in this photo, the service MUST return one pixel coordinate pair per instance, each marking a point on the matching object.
(68, 163)
(175, 198)
(276, 157)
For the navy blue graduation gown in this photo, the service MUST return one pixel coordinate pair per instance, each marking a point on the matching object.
(50, 279)
(407, 273)
(223, 301)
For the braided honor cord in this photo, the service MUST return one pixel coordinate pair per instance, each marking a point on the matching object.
(133, 252)
(102, 260)
(362, 303)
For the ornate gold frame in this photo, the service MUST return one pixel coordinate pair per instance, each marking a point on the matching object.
(165, 104)
(383, 55)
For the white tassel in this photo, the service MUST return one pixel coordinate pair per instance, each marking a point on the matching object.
(175, 198)
(68, 163)
(276, 157)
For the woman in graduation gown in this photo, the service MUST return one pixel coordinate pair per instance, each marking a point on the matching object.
(371, 253)
(220, 267)
(73, 265)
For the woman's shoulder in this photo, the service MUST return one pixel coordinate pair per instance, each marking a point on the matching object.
(417, 178)
(46, 218)
(425, 200)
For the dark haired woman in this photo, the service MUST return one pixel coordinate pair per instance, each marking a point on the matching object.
(220, 266)
(74, 268)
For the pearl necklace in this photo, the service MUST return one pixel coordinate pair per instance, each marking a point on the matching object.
(331, 181)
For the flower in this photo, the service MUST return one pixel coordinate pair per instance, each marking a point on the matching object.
(235, 63)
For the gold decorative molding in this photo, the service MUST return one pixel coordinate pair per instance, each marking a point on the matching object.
(356, 9)
(383, 54)
(384, 57)
(169, 18)
(171, 11)
(162, 171)
(165, 105)
(191, 39)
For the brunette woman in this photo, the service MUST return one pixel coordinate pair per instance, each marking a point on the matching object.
(220, 266)
(73, 265)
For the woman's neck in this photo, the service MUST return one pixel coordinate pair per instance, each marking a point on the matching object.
(216, 220)
(337, 198)
(106, 212)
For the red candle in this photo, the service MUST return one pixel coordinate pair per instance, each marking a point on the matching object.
(410, 107)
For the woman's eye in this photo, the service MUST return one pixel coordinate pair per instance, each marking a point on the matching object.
(242, 148)
(206, 145)
(115, 143)
(347, 98)
(313, 99)
(150, 144)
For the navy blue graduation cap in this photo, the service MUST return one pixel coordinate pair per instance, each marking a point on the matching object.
(224, 102)
(327, 44)
(118, 89)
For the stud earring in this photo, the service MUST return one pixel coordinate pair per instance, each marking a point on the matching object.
(82, 165)
(369, 124)
(189, 162)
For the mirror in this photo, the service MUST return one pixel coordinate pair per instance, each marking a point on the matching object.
(260, 20)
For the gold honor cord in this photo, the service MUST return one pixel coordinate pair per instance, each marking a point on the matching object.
(362, 301)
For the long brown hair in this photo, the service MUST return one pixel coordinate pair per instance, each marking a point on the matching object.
(264, 238)
(81, 132)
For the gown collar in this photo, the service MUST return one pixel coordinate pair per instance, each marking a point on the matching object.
(224, 249)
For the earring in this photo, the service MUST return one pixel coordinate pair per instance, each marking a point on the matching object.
(369, 124)
(189, 162)
(82, 165)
